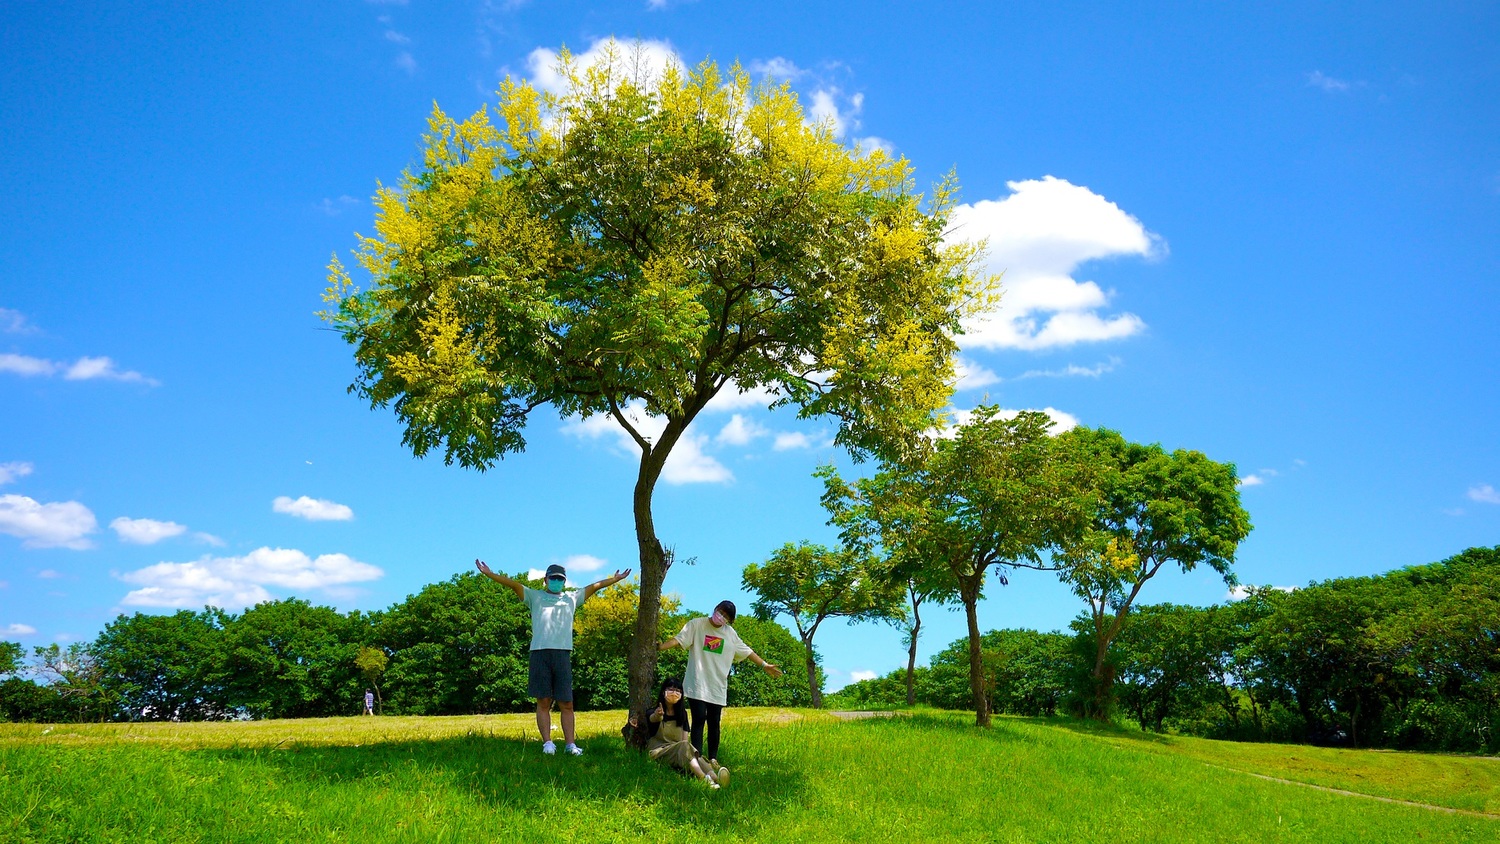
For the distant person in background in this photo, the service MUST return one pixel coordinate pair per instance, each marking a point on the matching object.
(669, 742)
(369, 702)
(713, 648)
(551, 670)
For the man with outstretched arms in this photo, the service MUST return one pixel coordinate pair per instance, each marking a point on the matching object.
(551, 671)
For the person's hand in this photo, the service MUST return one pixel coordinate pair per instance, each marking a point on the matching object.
(659, 711)
(634, 722)
(483, 569)
(772, 670)
(620, 575)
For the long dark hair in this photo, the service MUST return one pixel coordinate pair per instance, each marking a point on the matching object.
(680, 715)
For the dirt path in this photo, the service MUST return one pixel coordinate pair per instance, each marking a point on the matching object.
(1450, 810)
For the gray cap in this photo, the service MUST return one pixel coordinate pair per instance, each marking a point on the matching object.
(556, 570)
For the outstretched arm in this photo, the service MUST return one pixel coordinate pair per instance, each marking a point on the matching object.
(515, 585)
(766, 666)
(589, 590)
(667, 645)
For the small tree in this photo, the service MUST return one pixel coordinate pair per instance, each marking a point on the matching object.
(812, 584)
(1152, 508)
(997, 494)
(371, 663)
(631, 247)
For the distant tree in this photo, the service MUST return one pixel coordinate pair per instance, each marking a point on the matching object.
(1154, 508)
(457, 647)
(811, 584)
(921, 584)
(165, 667)
(998, 494)
(76, 680)
(634, 245)
(750, 686)
(601, 645)
(290, 659)
(372, 663)
(1164, 661)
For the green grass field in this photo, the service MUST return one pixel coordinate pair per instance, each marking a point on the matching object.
(798, 776)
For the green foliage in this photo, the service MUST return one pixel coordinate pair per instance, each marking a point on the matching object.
(1152, 508)
(811, 584)
(458, 646)
(750, 686)
(652, 239)
(1000, 492)
(290, 659)
(166, 667)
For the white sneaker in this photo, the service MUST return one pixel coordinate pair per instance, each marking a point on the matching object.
(574, 750)
(549, 748)
(722, 775)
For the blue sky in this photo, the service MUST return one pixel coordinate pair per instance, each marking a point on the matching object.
(1270, 235)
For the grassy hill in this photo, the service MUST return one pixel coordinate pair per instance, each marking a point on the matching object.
(797, 776)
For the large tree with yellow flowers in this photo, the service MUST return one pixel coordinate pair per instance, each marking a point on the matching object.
(644, 241)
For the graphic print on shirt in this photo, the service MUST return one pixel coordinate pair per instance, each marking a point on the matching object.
(713, 644)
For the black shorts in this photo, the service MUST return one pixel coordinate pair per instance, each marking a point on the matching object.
(551, 675)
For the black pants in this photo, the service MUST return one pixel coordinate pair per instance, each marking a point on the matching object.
(707, 713)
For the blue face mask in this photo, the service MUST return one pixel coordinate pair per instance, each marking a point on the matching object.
(555, 586)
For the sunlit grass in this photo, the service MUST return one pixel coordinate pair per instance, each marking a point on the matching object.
(798, 776)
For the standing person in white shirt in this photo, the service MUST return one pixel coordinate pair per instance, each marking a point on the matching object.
(551, 669)
(713, 648)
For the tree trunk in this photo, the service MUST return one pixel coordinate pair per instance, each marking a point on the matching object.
(812, 675)
(1104, 680)
(970, 596)
(911, 658)
(641, 665)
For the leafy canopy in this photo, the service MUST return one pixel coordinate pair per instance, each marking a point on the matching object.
(649, 239)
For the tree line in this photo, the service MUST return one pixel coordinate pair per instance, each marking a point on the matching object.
(1409, 660)
(455, 647)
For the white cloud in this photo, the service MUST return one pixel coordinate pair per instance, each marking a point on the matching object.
(640, 60)
(58, 525)
(1251, 480)
(145, 531)
(731, 398)
(1038, 236)
(88, 369)
(395, 37)
(740, 431)
(1484, 494)
(335, 207)
(208, 539)
(13, 471)
(312, 509)
(26, 366)
(858, 676)
(971, 376)
(406, 62)
(18, 630)
(1317, 79)
(14, 322)
(236, 582)
(778, 68)
(687, 464)
(48, 574)
(83, 369)
(788, 440)
(584, 562)
(1239, 593)
(1073, 370)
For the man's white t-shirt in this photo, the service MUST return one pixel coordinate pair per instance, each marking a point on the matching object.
(552, 617)
(712, 651)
